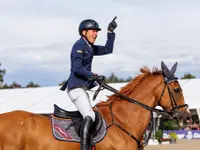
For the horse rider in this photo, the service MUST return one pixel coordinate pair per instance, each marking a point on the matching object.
(81, 77)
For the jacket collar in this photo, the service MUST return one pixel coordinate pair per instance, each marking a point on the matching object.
(84, 41)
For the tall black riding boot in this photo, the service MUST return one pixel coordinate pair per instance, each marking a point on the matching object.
(85, 134)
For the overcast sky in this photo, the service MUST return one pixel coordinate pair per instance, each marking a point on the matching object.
(36, 37)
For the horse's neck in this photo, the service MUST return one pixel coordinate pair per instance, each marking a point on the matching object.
(132, 117)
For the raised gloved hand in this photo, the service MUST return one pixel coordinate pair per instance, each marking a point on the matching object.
(112, 25)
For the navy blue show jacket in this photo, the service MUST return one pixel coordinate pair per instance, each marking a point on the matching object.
(81, 61)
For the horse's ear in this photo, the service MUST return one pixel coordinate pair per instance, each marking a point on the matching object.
(165, 70)
(173, 70)
(169, 74)
(163, 66)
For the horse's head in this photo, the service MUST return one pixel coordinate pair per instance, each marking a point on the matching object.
(169, 95)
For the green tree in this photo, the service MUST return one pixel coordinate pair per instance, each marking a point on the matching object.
(159, 135)
(15, 85)
(2, 73)
(32, 85)
(170, 125)
(5, 86)
(188, 76)
(114, 79)
(110, 79)
(128, 79)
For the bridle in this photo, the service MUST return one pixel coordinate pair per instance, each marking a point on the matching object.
(174, 111)
(172, 114)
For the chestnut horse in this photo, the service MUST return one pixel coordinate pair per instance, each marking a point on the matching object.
(21, 130)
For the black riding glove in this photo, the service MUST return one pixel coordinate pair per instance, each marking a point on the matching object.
(93, 78)
(112, 25)
(97, 78)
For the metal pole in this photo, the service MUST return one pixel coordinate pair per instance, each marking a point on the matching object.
(154, 125)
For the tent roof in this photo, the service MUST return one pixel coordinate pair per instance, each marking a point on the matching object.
(41, 100)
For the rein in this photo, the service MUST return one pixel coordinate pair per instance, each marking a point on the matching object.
(170, 115)
(159, 111)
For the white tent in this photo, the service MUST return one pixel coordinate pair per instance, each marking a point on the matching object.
(41, 100)
(191, 92)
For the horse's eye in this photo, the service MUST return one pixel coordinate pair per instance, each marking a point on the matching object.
(177, 90)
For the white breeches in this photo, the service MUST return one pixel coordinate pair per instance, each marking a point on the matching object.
(82, 102)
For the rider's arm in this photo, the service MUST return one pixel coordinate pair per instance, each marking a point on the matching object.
(108, 48)
(77, 61)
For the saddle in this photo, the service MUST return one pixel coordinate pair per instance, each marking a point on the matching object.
(66, 125)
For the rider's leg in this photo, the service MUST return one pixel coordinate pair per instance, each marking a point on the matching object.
(85, 134)
(80, 98)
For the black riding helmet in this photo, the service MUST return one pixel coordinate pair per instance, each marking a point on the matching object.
(88, 24)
